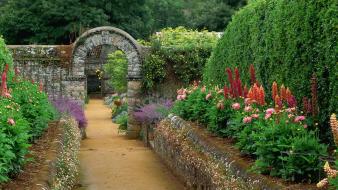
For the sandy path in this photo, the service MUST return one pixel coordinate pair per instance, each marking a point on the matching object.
(110, 161)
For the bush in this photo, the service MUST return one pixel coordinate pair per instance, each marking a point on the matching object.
(5, 58)
(287, 41)
(122, 120)
(116, 69)
(180, 53)
(153, 113)
(14, 137)
(34, 104)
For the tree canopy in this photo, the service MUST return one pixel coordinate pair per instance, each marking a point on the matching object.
(62, 21)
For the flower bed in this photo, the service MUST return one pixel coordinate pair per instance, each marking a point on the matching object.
(24, 115)
(282, 139)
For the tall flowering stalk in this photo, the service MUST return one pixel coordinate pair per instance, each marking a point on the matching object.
(257, 94)
(231, 80)
(4, 91)
(274, 90)
(331, 173)
(238, 83)
(252, 75)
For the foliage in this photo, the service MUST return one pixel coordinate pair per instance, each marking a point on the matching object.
(34, 104)
(180, 51)
(122, 120)
(5, 58)
(116, 69)
(284, 143)
(58, 21)
(72, 107)
(212, 14)
(14, 138)
(287, 42)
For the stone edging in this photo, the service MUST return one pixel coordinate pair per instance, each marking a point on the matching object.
(203, 162)
(64, 167)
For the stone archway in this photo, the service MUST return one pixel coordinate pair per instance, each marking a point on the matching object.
(121, 40)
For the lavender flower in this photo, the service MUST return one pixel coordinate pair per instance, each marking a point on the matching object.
(72, 107)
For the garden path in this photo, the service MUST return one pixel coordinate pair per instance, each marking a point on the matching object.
(110, 161)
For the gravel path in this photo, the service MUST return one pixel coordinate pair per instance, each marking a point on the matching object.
(110, 161)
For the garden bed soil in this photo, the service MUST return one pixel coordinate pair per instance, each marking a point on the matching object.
(36, 172)
(245, 162)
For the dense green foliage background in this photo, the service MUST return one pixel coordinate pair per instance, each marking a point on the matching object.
(178, 52)
(61, 21)
(287, 41)
(117, 68)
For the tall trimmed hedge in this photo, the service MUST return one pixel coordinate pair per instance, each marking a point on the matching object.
(287, 41)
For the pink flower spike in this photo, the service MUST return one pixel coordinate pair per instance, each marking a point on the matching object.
(11, 121)
(255, 116)
(299, 118)
(236, 106)
(270, 111)
(247, 119)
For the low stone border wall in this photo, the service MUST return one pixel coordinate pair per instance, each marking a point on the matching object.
(64, 167)
(204, 162)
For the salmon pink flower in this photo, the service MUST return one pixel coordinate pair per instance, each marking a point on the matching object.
(248, 109)
(267, 116)
(247, 119)
(270, 111)
(208, 96)
(203, 89)
(7, 95)
(305, 126)
(255, 116)
(220, 105)
(11, 121)
(236, 106)
(299, 118)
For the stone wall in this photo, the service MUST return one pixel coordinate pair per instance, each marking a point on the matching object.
(205, 162)
(50, 65)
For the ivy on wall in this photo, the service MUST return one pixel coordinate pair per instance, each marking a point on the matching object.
(177, 51)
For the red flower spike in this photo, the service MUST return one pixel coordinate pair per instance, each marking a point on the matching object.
(274, 90)
(252, 74)
(261, 95)
(245, 91)
(278, 102)
(288, 93)
(226, 91)
(305, 105)
(4, 83)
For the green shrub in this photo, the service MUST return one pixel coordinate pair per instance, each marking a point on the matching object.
(5, 58)
(194, 107)
(122, 120)
(13, 138)
(289, 151)
(180, 53)
(35, 106)
(287, 41)
(116, 69)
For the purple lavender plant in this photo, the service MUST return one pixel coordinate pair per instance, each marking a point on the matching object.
(72, 107)
(153, 113)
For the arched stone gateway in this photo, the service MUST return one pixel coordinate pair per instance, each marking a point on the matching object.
(120, 40)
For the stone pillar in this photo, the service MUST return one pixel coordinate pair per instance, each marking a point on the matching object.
(134, 94)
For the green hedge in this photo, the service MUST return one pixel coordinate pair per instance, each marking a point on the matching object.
(5, 58)
(287, 41)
